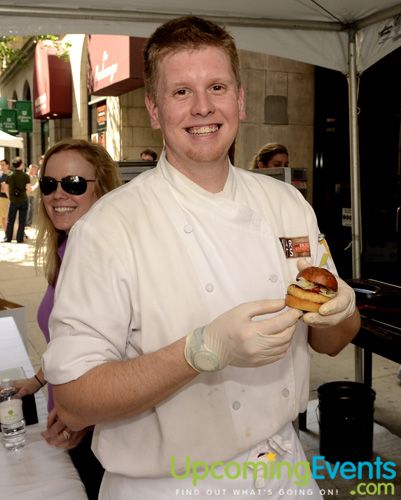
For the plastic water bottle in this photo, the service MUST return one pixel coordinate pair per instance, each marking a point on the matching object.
(11, 417)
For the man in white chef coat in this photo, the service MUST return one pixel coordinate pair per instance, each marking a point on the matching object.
(169, 330)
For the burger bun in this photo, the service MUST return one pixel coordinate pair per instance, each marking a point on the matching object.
(301, 304)
(319, 276)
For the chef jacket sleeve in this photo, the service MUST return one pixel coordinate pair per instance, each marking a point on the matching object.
(92, 318)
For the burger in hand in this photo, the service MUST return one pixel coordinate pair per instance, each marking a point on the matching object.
(314, 286)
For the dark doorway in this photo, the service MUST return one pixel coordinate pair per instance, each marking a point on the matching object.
(331, 189)
(379, 127)
(379, 105)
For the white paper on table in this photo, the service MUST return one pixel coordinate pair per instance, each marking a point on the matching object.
(13, 355)
(12, 349)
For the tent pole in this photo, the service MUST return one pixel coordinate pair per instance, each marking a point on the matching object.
(355, 181)
(354, 161)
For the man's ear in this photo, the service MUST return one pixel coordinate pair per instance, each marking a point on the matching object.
(241, 103)
(151, 106)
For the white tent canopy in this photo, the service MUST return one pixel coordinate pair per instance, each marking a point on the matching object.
(10, 141)
(313, 31)
(344, 35)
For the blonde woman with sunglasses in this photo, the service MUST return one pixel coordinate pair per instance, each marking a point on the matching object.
(74, 175)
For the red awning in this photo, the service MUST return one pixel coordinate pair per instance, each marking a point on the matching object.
(52, 83)
(115, 64)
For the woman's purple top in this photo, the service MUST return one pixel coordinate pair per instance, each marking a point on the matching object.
(44, 311)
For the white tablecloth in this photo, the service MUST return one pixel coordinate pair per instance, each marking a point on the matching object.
(38, 471)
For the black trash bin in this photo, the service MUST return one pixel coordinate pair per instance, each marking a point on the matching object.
(346, 421)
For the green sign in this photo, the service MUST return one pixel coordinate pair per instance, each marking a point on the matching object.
(24, 116)
(3, 102)
(8, 121)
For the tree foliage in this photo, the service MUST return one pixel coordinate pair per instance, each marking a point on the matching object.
(8, 51)
(61, 46)
(11, 48)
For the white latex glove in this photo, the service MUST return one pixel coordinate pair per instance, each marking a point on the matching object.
(334, 311)
(239, 340)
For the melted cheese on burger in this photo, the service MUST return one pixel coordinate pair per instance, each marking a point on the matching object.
(308, 285)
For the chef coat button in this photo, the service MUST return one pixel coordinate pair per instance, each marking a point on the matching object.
(236, 405)
(209, 287)
(273, 278)
(188, 228)
(285, 393)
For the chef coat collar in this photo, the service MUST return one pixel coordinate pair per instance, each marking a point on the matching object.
(179, 180)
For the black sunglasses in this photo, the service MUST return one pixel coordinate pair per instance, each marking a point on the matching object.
(72, 184)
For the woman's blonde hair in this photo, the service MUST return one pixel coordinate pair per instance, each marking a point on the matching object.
(267, 152)
(49, 238)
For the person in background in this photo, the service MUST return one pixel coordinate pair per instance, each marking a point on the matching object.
(271, 155)
(40, 164)
(148, 155)
(4, 202)
(74, 175)
(17, 182)
(169, 330)
(32, 188)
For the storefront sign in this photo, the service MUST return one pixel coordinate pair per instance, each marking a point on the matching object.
(24, 115)
(115, 64)
(101, 117)
(8, 121)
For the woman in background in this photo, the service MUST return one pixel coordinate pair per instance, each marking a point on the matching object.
(271, 155)
(75, 173)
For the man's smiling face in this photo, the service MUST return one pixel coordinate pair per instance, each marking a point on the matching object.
(198, 106)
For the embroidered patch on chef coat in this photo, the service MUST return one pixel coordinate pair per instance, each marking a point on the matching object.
(296, 247)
